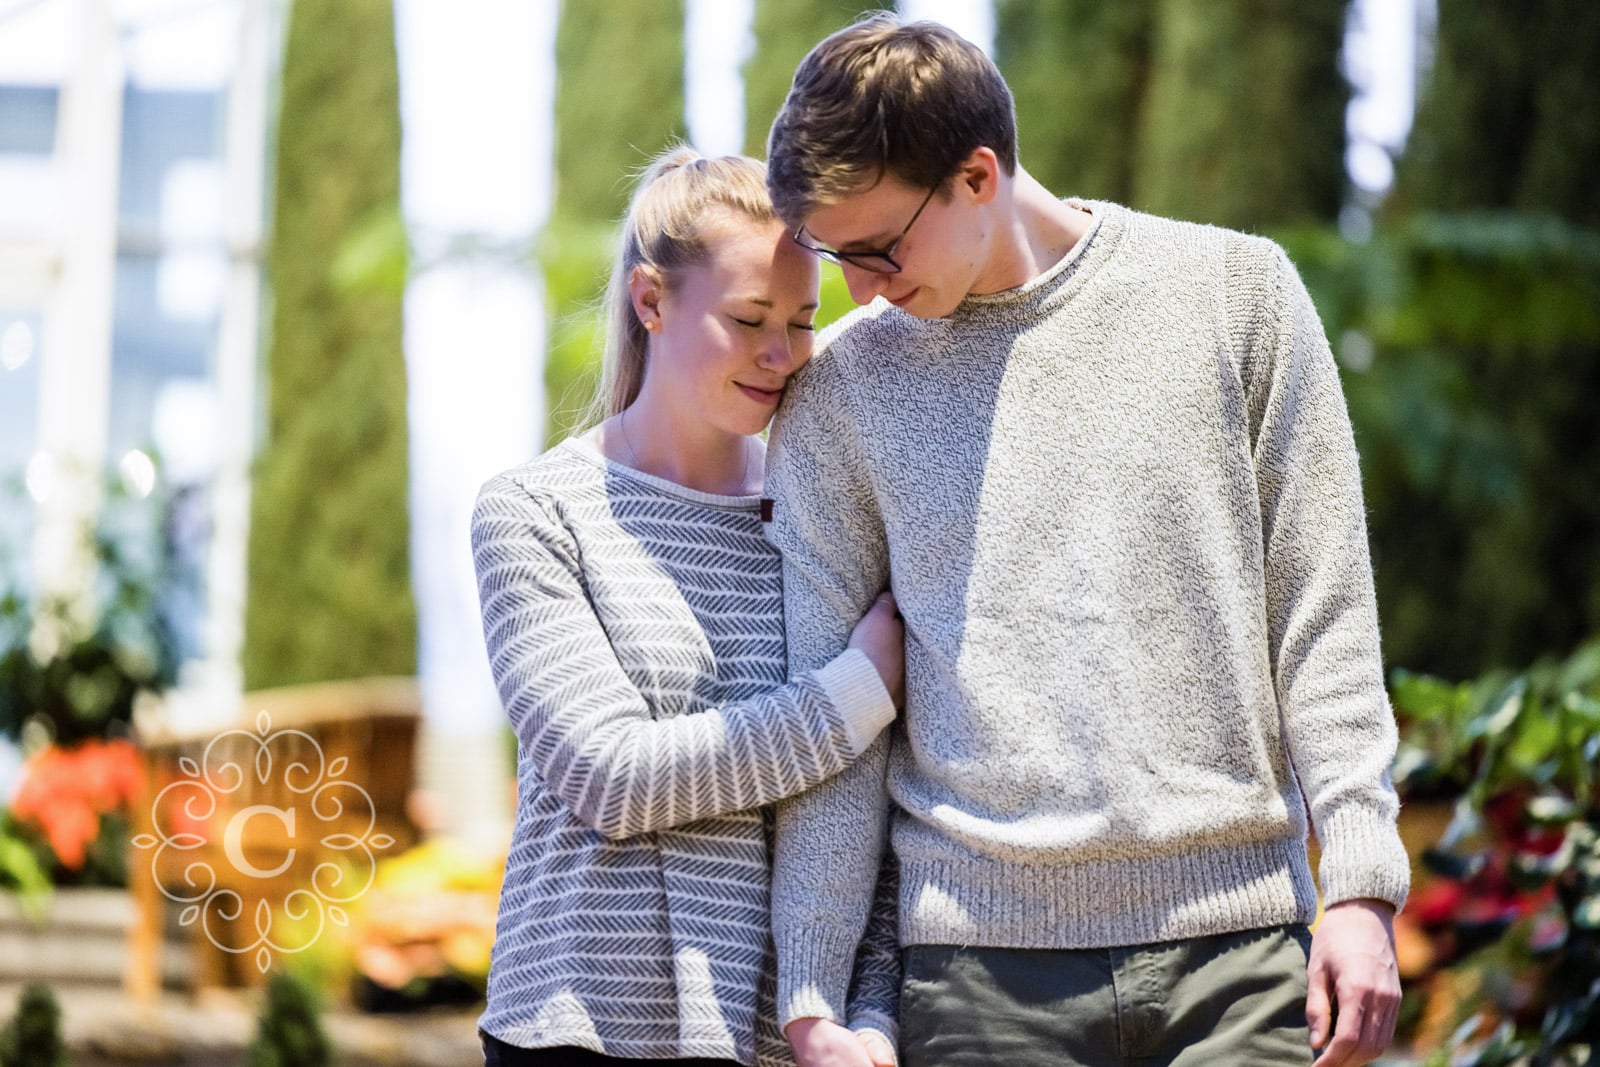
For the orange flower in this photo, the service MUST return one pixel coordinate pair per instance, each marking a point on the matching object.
(64, 792)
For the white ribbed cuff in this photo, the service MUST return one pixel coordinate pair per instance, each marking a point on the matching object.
(1363, 858)
(858, 695)
(813, 974)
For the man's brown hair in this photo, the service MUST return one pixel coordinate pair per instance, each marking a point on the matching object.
(883, 96)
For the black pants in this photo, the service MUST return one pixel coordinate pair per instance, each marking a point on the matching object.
(497, 1053)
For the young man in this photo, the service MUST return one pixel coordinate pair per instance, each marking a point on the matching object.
(1104, 461)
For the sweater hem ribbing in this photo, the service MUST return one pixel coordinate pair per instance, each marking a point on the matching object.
(1107, 903)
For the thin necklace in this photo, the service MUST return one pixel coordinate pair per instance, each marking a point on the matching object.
(633, 461)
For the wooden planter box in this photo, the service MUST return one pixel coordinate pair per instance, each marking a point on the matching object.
(259, 836)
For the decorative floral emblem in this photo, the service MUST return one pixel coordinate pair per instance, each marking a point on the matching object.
(183, 817)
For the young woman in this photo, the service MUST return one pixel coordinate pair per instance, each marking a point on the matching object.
(633, 614)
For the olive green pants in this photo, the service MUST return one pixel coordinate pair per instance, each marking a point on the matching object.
(1233, 999)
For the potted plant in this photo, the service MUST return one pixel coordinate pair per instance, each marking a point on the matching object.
(73, 667)
(1514, 919)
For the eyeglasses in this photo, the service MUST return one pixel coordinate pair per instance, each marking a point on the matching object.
(878, 261)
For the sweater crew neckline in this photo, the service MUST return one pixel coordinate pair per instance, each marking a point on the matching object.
(1065, 276)
(588, 453)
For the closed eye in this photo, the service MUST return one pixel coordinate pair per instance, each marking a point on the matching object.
(755, 325)
(809, 327)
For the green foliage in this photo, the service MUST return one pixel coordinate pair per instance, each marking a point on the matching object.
(619, 100)
(785, 30)
(1472, 346)
(289, 1033)
(1536, 729)
(1243, 123)
(329, 567)
(1078, 70)
(23, 870)
(1509, 117)
(75, 663)
(576, 258)
(1523, 749)
(30, 867)
(33, 1037)
(1228, 112)
(612, 117)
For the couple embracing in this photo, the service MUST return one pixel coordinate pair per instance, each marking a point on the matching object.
(981, 718)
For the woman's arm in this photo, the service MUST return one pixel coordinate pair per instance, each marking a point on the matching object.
(588, 729)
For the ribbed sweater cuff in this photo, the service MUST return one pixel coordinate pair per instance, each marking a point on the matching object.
(1362, 857)
(813, 974)
(858, 694)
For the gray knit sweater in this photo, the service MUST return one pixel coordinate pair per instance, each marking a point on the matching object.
(1120, 509)
(634, 628)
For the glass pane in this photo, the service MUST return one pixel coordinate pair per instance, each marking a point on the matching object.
(19, 434)
(27, 119)
(171, 275)
(161, 130)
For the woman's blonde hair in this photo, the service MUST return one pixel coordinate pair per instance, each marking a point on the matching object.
(664, 231)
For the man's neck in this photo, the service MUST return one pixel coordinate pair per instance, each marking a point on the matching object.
(1033, 231)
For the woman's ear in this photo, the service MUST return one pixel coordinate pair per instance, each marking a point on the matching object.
(644, 290)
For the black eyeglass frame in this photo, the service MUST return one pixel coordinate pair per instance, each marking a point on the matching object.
(878, 261)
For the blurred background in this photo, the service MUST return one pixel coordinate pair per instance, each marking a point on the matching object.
(282, 283)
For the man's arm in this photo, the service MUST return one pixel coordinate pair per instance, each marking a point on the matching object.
(835, 562)
(1322, 613)
(1323, 636)
(875, 985)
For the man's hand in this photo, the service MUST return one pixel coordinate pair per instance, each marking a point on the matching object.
(824, 1043)
(1352, 965)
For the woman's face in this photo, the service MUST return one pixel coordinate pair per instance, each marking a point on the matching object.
(730, 330)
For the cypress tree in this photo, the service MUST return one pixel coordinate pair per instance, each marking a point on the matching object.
(1509, 117)
(612, 115)
(329, 569)
(1078, 70)
(1244, 118)
(785, 30)
(1225, 111)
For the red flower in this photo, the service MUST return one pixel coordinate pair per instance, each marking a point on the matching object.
(1437, 902)
(65, 791)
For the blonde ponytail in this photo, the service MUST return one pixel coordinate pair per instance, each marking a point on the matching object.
(664, 231)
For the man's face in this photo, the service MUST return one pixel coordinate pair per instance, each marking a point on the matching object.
(939, 255)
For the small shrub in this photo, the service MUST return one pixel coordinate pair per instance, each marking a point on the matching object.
(33, 1038)
(289, 1033)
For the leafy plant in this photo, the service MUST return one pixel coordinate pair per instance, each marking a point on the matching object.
(22, 871)
(70, 812)
(33, 1038)
(289, 1033)
(424, 933)
(76, 663)
(1524, 850)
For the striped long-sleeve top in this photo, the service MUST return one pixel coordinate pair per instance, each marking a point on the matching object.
(635, 632)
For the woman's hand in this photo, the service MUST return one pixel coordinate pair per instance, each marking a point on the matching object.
(881, 635)
(822, 1043)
